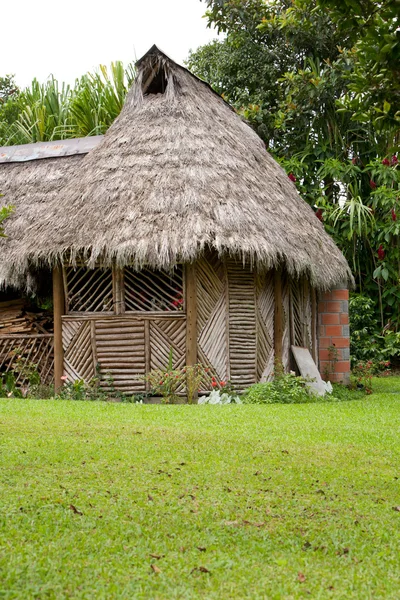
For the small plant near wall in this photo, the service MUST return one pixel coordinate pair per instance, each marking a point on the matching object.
(333, 357)
(193, 375)
(284, 389)
(166, 382)
(363, 372)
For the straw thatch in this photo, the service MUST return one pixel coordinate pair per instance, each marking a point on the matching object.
(177, 172)
(32, 188)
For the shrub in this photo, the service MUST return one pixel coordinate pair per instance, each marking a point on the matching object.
(367, 341)
(285, 388)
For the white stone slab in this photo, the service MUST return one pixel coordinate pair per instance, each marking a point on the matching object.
(308, 370)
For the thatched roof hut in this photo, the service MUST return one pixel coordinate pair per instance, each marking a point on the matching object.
(177, 178)
(177, 172)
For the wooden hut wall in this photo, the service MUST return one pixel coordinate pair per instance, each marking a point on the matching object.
(236, 320)
(121, 324)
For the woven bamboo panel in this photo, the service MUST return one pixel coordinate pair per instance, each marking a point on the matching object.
(300, 304)
(164, 335)
(120, 349)
(35, 351)
(265, 325)
(89, 290)
(242, 324)
(148, 290)
(212, 338)
(79, 360)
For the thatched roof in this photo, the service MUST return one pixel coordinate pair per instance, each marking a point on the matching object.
(178, 171)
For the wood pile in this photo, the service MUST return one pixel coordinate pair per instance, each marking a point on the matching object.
(16, 317)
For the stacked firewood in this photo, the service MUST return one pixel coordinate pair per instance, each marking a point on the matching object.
(17, 317)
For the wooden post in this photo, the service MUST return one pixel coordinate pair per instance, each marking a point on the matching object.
(304, 313)
(59, 308)
(278, 317)
(118, 290)
(191, 315)
(314, 317)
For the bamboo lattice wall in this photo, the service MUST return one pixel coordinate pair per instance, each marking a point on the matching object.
(265, 325)
(235, 323)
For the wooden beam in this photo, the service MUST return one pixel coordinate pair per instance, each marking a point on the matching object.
(278, 316)
(59, 309)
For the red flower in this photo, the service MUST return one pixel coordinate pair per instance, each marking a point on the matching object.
(394, 216)
(292, 177)
(386, 162)
(214, 383)
(222, 383)
(372, 184)
(319, 216)
(395, 160)
(381, 252)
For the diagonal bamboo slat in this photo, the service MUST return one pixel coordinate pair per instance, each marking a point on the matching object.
(148, 290)
(88, 290)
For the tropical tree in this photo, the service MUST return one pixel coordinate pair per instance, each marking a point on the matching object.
(50, 111)
(319, 80)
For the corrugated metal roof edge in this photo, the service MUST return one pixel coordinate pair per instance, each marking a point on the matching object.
(58, 148)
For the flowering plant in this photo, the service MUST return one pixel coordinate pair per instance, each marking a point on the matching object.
(363, 373)
(166, 382)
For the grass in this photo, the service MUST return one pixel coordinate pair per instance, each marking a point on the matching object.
(232, 502)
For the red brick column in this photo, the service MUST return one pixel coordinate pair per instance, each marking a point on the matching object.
(333, 331)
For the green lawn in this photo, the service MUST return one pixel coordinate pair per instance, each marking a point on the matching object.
(232, 502)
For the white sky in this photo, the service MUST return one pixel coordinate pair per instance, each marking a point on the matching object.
(67, 38)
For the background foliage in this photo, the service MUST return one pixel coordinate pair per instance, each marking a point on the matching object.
(320, 82)
(50, 111)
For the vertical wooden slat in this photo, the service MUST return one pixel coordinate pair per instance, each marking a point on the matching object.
(291, 317)
(278, 316)
(93, 342)
(228, 355)
(122, 290)
(191, 315)
(65, 282)
(304, 302)
(59, 307)
(314, 324)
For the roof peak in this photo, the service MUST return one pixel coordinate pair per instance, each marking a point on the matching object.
(154, 51)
